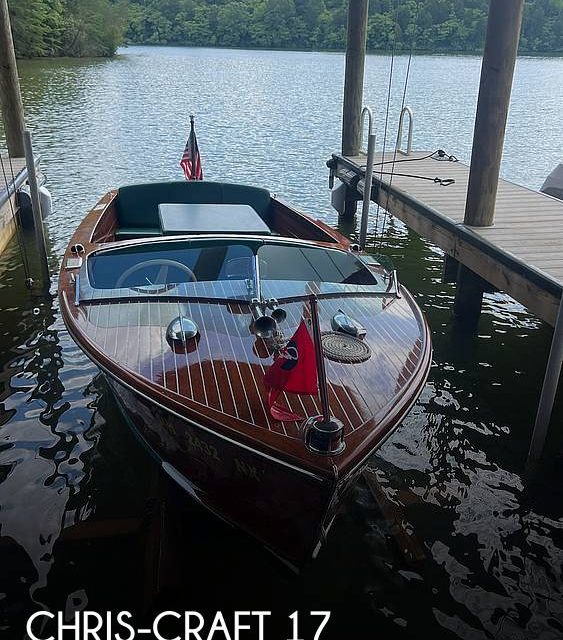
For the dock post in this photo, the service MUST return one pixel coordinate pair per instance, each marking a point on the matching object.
(548, 393)
(10, 95)
(38, 230)
(497, 71)
(354, 88)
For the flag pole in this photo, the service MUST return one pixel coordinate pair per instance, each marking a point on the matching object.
(324, 433)
(321, 370)
(192, 139)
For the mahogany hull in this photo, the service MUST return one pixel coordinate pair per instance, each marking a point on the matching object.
(286, 508)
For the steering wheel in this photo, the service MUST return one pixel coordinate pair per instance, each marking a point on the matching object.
(164, 263)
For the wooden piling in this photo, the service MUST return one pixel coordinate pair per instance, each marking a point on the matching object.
(548, 393)
(10, 95)
(497, 71)
(468, 297)
(354, 76)
(354, 87)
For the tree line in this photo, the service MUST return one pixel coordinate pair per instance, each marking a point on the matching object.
(77, 28)
(98, 27)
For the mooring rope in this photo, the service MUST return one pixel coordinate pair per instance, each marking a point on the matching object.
(439, 154)
(443, 182)
(19, 231)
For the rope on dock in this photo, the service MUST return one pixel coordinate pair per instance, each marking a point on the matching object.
(439, 154)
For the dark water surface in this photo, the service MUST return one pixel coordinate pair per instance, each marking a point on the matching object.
(467, 548)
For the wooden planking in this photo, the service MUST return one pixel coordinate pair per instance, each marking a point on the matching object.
(520, 254)
(225, 371)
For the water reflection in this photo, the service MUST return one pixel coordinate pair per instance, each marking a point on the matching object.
(455, 542)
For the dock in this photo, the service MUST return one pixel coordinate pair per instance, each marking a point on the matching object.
(520, 254)
(8, 186)
(491, 230)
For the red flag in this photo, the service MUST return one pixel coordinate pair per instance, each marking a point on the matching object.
(294, 370)
(191, 160)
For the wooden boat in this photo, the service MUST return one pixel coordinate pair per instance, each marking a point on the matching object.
(183, 293)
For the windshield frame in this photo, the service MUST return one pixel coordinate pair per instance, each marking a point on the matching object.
(85, 292)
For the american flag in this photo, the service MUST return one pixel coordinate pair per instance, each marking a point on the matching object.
(191, 160)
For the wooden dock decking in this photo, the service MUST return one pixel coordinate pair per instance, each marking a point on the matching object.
(522, 254)
(7, 222)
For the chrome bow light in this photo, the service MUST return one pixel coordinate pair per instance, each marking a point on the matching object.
(182, 329)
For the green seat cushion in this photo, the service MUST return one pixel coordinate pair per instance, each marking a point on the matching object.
(259, 199)
(137, 205)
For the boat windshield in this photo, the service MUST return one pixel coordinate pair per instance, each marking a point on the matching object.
(288, 270)
(235, 269)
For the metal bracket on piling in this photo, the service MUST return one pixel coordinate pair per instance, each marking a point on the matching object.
(366, 111)
(410, 114)
(548, 392)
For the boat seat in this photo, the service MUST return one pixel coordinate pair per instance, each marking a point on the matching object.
(137, 205)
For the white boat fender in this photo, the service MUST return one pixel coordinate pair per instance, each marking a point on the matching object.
(46, 201)
(553, 184)
(25, 207)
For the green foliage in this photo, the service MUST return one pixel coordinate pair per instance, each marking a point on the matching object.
(67, 27)
(37, 26)
(98, 27)
(93, 28)
(429, 25)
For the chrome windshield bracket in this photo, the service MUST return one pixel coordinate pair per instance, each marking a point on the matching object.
(257, 287)
(396, 286)
(77, 290)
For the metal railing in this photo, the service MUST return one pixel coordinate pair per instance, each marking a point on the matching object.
(8, 187)
(370, 152)
(409, 112)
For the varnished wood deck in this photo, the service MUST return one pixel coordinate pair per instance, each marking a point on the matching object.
(522, 254)
(225, 371)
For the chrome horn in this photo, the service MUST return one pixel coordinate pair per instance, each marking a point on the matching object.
(278, 314)
(263, 325)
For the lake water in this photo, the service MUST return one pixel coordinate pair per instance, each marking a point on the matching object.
(486, 543)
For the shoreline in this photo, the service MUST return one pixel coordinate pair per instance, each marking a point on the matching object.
(373, 52)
